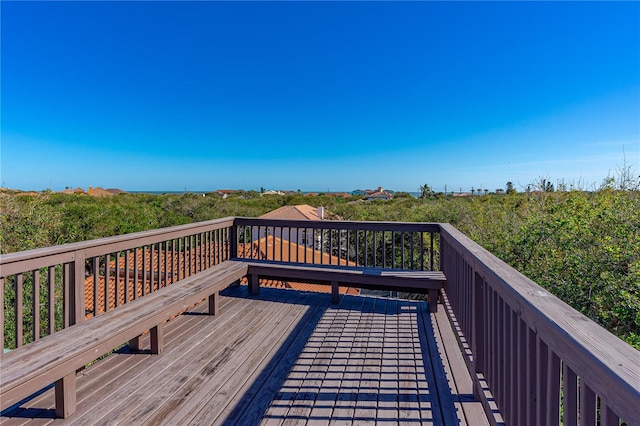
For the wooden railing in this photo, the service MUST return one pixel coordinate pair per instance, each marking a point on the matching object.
(394, 245)
(45, 290)
(543, 362)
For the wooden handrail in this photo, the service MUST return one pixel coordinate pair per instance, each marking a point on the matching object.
(10, 263)
(521, 337)
(199, 245)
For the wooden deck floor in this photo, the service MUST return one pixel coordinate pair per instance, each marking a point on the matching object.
(283, 357)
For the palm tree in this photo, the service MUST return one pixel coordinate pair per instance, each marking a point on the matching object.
(425, 191)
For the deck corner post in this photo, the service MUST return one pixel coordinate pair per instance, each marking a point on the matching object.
(213, 303)
(157, 339)
(65, 396)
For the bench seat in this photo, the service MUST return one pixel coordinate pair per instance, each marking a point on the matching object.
(55, 358)
(412, 281)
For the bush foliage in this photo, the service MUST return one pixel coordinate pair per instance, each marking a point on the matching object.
(582, 246)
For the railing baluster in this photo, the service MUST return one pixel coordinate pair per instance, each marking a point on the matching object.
(515, 351)
(127, 276)
(144, 270)
(531, 376)
(553, 390)
(180, 259)
(412, 247)
(273, 244)
(154, 262)
(200, 238)
(51, 284)
(587, 404)
(107, 282)
(522, 372)
(136, 273)
(188, 255)
(35, 276)
(607, 416)
(570, 400)
(432, 253)
(116, 289)
(542, 375)
(19, 310)
(217, 243)
(158, 268)
(493, 326)
(403, 265)
(166, 263)
(66, 283)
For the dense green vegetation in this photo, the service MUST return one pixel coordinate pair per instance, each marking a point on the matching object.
(582, 246)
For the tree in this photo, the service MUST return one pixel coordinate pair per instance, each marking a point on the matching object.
(510, 188)
(425, 191)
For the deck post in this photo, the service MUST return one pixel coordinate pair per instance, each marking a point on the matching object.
(76, 288)
(335, 292)
(157, 339)
(65, 396)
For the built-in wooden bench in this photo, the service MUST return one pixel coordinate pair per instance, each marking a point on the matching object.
(56, 358)
(427, 282)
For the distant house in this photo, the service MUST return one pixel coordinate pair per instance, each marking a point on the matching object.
(115, 191)
(224, 193)
(301, 236)
(272, 192)
(380, 194)
(337, 194)
(99, 192)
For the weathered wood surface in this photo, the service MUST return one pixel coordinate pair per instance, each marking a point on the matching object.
(522, 336)
(283, 357)
(28, 369)
(429, 282)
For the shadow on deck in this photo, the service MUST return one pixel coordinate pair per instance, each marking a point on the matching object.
(281, 357)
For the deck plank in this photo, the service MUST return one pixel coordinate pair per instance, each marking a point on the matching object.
(469, 408)
(281, 357)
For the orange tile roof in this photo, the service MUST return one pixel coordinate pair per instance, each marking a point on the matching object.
(261, 249)
(150, 267)
(299, 212)
(274, 248)
(283, 250)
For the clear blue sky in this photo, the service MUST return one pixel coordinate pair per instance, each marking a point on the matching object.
(317, 95)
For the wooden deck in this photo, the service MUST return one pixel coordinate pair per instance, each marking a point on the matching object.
(282, 357)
